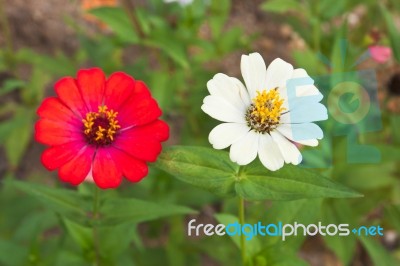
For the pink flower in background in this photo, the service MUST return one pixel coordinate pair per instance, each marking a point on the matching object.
(380, 54)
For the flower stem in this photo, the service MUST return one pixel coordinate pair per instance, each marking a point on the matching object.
(242, 236)
(95, 217)
(130, 11)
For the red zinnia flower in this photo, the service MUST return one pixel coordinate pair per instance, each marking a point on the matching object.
(101, 128)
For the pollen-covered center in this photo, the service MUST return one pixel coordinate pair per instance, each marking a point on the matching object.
(100, 128)
(264, 114)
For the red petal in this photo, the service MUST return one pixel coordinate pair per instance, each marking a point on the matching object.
(91, 84)
(76, 170)
(141, 88)
(159, 130)
(119, 88)
(56, 156)
(106, 172)
(141, 147)
(139, 109)
(53, 109)
(68, 92)
(56, 133)
(134, 170)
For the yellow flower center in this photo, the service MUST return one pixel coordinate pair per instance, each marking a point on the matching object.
(100, 128)
(264, 113)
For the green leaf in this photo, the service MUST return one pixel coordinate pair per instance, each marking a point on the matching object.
(10, 85)
(282, 6)
(34, 91)
(121, 210)
(279, 255)
(160, 83)
(290, 182)
(303, 211)
(394, 33)
(392, 213)
(202, 167)
(118, 21)
(389, 153)
(82, 235)
(115, 239)
(170, 46)
(303, 29)
(67, 257)
(364, 176)
(328, 11)
(337, 212)
(96, 53)
(12, 254)
(112, 240)
(58, 64)
(378, 254)
(253, 246)
(212, 170)
(219, 10)
(16, 134)
(33, 224)
(230, 41)
(63, 201)
(309, 60)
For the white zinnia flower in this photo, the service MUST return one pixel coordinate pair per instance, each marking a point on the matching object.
(274, 110)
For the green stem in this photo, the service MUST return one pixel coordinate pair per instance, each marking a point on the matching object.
(95, 217)
(242, 236)
(130, 11)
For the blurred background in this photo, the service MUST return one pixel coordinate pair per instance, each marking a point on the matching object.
(175, 47)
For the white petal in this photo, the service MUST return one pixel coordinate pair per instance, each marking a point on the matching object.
(222, 110)
(228, 88)
(302, 73)
(244, 151)
(269, 153)
(244, 95)
(290, 152)
(300, 132)
(306, 90)
(225, 134)
(300, 90)
(292, 101)
(278, 73)
(286, 100)
(305, 113)
(308, 142)
(254, 73)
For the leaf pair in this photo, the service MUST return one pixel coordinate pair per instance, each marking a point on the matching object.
(212, 170)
